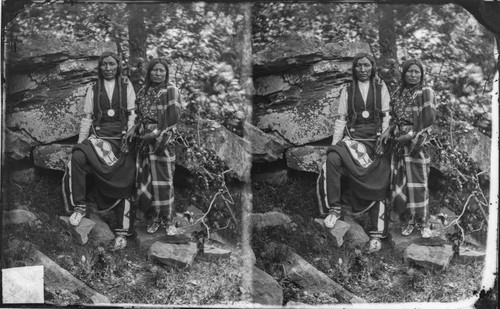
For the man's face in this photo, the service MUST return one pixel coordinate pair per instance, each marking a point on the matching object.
(363, 69)
(109, 68)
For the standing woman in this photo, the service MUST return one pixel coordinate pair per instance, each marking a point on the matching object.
(158, 108)
(413, 109)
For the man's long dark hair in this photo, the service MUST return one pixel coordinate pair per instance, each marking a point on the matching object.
(151, 65)
(360, 56)
(106, 55)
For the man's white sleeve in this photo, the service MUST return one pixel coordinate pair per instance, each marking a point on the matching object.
(386, 99)
(130, 106)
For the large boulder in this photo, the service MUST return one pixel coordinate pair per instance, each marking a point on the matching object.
(47, 81)
(231, 149)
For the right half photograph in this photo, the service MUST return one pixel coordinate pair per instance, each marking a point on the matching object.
(375, 154)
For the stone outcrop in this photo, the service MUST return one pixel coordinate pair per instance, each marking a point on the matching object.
(297, 87)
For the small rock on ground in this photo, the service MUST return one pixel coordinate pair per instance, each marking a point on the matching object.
(18, 216)
(338, 231)
(82, 230)
(272, 218)
(177, 255)
(438, 257)
(101, 234)
(356, 236)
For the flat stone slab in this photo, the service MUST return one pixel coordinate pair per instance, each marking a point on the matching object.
(82, 230)
(177, 255)
(59, 278)
(438, 257)
(338, 231)
(215, 253)
(468, 255)
(22, 285)
(266, 290)
(18, 216)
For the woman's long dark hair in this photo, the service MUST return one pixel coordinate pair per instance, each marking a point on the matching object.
(151, 65)
(406, 66)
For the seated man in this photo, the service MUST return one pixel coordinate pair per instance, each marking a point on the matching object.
(109, 113)
(364, 111)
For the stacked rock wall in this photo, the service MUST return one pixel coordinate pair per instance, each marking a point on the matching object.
(297, 92)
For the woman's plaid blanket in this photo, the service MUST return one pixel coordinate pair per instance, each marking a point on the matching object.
(155, 183)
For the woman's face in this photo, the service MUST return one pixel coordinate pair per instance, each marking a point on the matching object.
(109, 68)
(363, 69)
(158, 74)
(413, 75)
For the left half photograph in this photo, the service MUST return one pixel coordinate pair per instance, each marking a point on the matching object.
(125, 158)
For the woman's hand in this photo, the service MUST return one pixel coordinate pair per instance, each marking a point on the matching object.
(148, 138)
(404, 139)
(382, 140)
